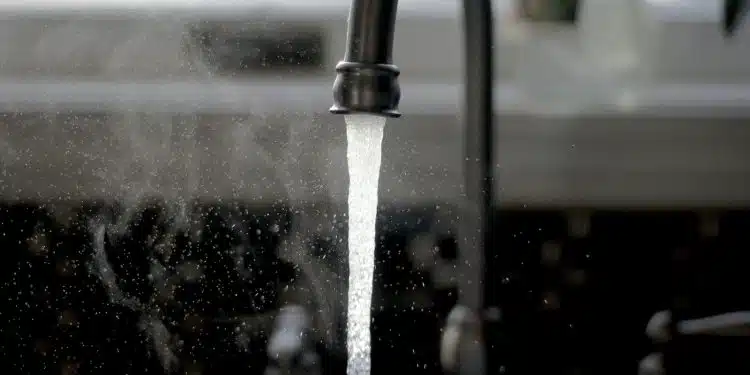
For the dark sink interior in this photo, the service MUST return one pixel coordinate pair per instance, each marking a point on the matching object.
(568, 291)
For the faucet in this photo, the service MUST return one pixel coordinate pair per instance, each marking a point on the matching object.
(661, 329)
(367, 83)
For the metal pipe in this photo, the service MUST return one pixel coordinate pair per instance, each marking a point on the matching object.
(475, 231)
(367, 83)
(476, 235)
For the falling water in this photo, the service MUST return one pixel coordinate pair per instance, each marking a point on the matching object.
(364, 136)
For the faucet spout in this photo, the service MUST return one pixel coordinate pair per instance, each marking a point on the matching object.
(367, 80)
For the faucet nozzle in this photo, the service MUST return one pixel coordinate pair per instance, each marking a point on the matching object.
(367, 80)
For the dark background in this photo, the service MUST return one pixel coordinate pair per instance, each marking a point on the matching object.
(572, 290)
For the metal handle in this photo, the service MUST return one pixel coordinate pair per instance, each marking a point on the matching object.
(732, 324)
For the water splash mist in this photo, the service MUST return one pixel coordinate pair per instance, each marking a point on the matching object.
(132, 154)
(364, 135)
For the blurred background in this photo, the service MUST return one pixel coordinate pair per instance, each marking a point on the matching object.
(170, 178)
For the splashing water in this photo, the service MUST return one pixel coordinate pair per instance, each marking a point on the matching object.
(364, 136)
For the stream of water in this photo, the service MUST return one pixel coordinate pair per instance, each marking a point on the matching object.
(364, 135)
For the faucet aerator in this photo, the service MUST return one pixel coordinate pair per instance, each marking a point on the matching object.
(366, 88)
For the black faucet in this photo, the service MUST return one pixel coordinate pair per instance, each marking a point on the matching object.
(367, 82)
